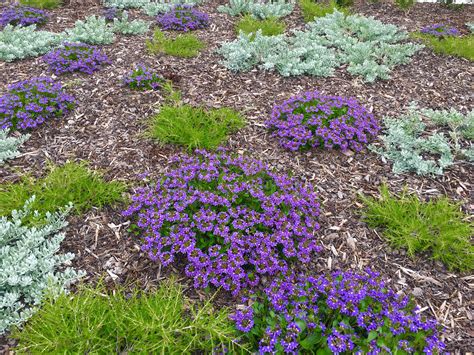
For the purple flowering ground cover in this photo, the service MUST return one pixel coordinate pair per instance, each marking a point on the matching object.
(22, 16)
(183, 18)
(440, 29)
(143, 78)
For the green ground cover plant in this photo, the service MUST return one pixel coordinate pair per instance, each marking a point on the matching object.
(312, 9)
(126, 27)
(259, 10)
(269, 27)
(437, 226)
(450, 45)
(71, 182)
(9, 145)
(183, 45)
(93, 30)
(96, 320)
(42, 4)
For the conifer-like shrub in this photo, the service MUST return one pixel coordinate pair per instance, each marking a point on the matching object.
(315, 120)
(312, 9)
(185, 45)
(126, 4)
(124, 26)
(17, 42)
(94, 30)
(230, 218)
(341, 313)
(30, 264)
(22, 16)
(142, 78)
(183, 18)
(458, 46)
(9, 145)
(156, 7)
(32, 102)
(72, 57)
(269, 27)
(258, 10)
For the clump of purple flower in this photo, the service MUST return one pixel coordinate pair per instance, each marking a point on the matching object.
(142, 78)
(183, 18)
(30, 103)
(230, 218)
(74, 57)
(440, 29)
(22, 16)
(315, 120)
(111, 13)
(344, 313)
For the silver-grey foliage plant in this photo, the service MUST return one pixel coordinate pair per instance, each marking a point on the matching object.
(126, 27)
(412, 147)
(259, 10)
(9, 145)
(30, 264)
(94, 30)
(368, 47)
(149, 7)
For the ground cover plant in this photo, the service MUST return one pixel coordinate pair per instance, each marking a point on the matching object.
(436, 226)
(315, 120)
(22, 16)
(30, 264)
(183, 18)
(258, 10)
(93, 30)
(124, 26)
(312, 9)
(42, 4)
(142, 78)
(72, 57)
(183, 45)
(232, 219)
(30, 103)
(415, 141)
(268, 27)
(440, 29)
(9, 145)
(69, 183)
(341, 313)
(459, 46)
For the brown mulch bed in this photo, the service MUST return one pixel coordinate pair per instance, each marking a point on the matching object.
(108, 124)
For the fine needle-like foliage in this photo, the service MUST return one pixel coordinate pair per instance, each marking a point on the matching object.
(437, 226)
(450, 45)
(312, 9)
(269, 27)
(97, 321)
(42, 4)
(183, 45)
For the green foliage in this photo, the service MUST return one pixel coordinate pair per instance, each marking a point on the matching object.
(437, 226)
(71, 182)
(258, 10)
(405, 4)
(470, 25)
(450, 45)
(30, 263)
(126, 4)
(193, 127)
(97, 321)
(94, 30)
(312, 9)
(161, 6)
(411, 147)
(367, 46)
(183, 45)
(126, 27)
(9, 145)
(269, 27)
(42, 4)
(23, 42)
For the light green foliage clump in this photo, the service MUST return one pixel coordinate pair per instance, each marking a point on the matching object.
(312, 9)
(269, 27)
(97, 321)
(94, 30)
(437, 226)
(470, 25)
(18, 42)
(462, 46)
(30, 263)
(126, 27)
(259, 10)
(71, 182)
(156, 7)
(405, 4)
(9, 145)
(126, 4)
(367, 46)
(183, 45)
(42, 4)
(411, 147)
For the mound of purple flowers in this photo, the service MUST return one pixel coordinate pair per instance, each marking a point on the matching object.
(30, 103)
(230, 218)
(22, 16)
(74, 57)
(111, 13)
(345, 313)
(315, 120)
(142, 78)
(183, 18)
(440, 29)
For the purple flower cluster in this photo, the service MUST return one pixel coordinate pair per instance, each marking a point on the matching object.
(183, 18)
(343, 313)
(22, 16)
(440, 29)
(74, 57)
(142, 78)
(231, 219)
(111, 13)
(315, 120)
(31, 102)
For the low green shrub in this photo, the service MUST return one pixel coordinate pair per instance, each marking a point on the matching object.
(71, 182)
(126, 27)
(450, 45)
(93, 30)
(42, 4)
(95, 320)
(405, 4)
(269, 27)
(9, 145)
(312, 9)
(437, 226)
(183, 45)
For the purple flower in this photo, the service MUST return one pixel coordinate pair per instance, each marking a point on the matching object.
(440, 29)
(315, 120)
(142, 78)
(111, 13)
(22, 16)
(183, 18)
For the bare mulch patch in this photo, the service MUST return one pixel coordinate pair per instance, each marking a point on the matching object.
(107, 129)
